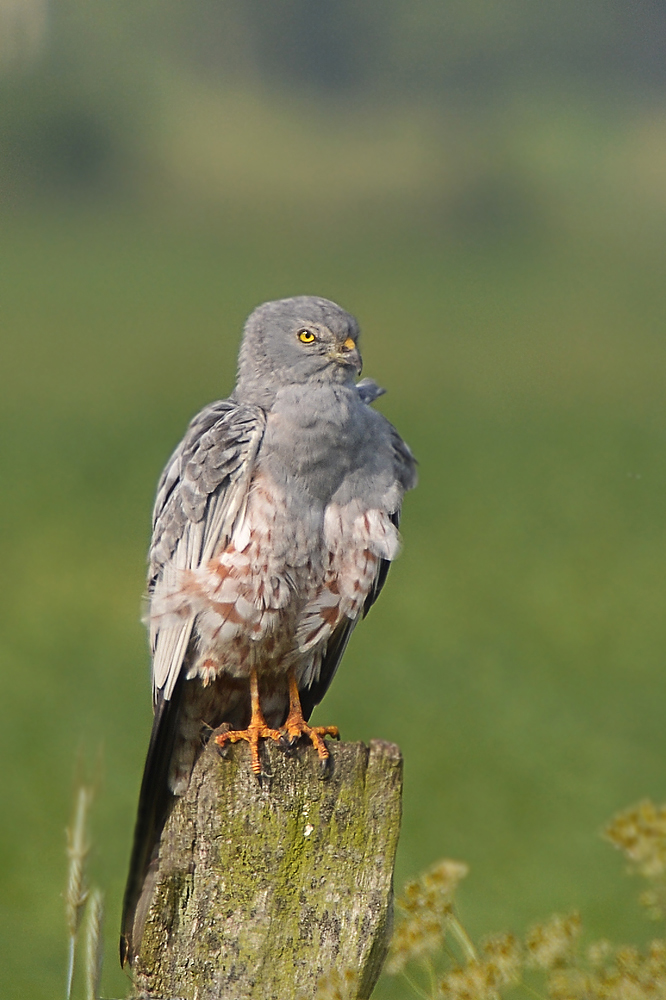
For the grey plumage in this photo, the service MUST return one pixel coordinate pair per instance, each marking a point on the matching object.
(274, 525)
(368, 390)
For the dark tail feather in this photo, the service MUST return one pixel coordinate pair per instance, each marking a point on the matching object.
(155, 803)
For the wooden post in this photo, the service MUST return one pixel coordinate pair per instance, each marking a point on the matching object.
(264, 888)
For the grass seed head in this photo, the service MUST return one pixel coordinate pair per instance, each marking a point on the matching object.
(77, 851)
(337, 985)
(571, 984)
(427, 905)
(598, 953)
(499, 966)
(553, 943)
(626, 974)
(433, 892)
(471, 982)
(640, 833)
(653, 901)
(502, 954)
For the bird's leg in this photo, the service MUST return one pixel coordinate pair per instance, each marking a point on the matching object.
(255, 731)
(295, 725)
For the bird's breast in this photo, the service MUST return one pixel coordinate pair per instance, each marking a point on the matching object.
(273, 594)
(313, 442)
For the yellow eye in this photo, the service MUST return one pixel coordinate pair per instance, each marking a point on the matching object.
(306, 337)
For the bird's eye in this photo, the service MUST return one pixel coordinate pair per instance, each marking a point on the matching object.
(306, 337)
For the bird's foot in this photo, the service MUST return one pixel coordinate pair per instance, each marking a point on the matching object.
(296, 727)
(293, 729)
(257, 730)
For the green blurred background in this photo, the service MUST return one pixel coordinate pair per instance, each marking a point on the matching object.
(483, 184)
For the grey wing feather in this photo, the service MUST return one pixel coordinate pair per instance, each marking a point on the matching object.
(369, 390)
(201, 492)
(405, 472)
(405, 463)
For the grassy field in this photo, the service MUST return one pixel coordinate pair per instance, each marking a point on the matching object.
(517, 652)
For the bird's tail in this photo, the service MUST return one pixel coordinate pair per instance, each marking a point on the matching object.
(155, 803)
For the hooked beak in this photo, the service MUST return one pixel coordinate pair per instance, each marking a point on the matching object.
(348, 354)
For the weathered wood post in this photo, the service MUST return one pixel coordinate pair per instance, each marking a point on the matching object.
(263, 888)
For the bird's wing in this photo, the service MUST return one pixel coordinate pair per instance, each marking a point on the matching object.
(404, 465)
(199, 497)
(337, 643)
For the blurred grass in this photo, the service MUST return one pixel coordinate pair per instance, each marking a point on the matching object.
(517, 652)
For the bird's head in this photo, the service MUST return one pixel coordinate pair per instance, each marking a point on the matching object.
(298, 340)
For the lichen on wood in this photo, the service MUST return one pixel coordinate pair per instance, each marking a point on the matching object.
(263, 888)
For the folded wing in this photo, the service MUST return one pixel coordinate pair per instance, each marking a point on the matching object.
(200, 495)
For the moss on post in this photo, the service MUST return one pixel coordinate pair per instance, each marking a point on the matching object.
(263, 889)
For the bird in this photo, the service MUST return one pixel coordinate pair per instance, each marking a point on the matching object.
(274, 525)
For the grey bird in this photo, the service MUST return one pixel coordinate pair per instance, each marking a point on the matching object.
(274, 525)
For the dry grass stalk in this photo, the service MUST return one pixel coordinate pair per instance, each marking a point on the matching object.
(94, 943)
(77, 892)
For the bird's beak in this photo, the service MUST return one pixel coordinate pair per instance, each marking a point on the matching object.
(348, 354)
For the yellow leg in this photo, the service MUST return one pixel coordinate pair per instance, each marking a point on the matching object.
(296, 725)
(255, 731)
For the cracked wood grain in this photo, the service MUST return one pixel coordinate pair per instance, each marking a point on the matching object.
(261, 889)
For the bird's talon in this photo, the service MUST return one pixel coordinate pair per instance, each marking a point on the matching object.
(206, 733)
(264, 779)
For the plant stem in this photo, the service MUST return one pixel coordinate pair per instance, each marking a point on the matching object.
(417, 989)
(70, 965)
(463, 939)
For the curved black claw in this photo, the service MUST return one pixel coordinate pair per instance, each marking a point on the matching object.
(264, 778)
(222, 750)
(325, 768)
(287, 745)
